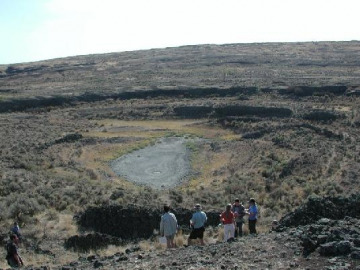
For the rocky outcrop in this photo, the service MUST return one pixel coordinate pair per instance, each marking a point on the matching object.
(329, 237)
(329, 225)
(302, 91)
(22, 104)
(315, 208)
(233, 110)
(91, 241)
(321, 116)
(133, 222)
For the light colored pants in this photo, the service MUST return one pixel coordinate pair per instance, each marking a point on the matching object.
(229, 230)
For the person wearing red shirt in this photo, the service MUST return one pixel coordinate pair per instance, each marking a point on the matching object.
(227, 218)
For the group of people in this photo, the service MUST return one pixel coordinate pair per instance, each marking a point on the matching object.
(232, 219)
(169, 226)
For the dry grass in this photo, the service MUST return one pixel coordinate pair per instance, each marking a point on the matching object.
(207, 164)
(53, 225)
(96, 157)
(110, 250)
(156, 128)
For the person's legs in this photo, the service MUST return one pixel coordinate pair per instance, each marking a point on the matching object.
(201, 236)
(226, 232)
(170, 241)
(232, 230)
(252, 226)
(239, 226)
(236, 230)
(11, 261)
(193, 235)
(202, 241)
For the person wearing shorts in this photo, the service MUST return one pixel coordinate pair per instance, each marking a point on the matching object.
(168, 226)
(197, 223)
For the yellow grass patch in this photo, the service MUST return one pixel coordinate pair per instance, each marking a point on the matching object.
(207, 165)
(155, 128)
(97, 157)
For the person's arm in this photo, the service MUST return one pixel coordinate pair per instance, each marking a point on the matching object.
(175, 223)
(162, 227)
(192, 221)
(18, 259)
(242, 212)
(22, 263)
(222, 219)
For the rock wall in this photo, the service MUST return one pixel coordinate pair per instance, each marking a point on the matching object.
(234, 110)
(133, 222)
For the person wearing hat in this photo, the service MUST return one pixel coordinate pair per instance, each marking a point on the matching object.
(197, 223)
(252, 212)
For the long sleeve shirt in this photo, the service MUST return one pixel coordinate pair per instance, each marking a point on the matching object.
(168, 224)
(227, 217)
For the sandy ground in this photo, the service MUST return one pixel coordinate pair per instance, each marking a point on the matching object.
(163, 165)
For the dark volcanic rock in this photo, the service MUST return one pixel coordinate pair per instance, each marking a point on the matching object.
(316, 208)
(91, 241)
(335, 248)
(234, 110)
(69, 138)
(322, 116)
(133, 222)
(330, 225)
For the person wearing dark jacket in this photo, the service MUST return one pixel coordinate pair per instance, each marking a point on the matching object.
(239, 211)
(13, 258)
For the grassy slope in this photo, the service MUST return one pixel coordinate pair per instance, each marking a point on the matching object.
(43, 182)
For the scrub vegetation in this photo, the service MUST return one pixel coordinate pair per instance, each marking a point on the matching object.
(277, 122)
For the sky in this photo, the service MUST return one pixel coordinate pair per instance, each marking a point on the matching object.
(34, 30)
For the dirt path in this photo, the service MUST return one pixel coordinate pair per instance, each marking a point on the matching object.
(163, 165)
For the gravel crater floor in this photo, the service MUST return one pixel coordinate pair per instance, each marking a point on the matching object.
(162, 165)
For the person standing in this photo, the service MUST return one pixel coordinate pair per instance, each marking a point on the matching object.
(16, 230)
(253, 213)
(239, 212)
(197, 223)
(228, 219)
(168, 227)
(13, 258)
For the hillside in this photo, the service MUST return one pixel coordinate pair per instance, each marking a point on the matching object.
(275, 121)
